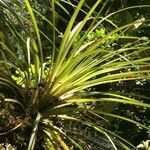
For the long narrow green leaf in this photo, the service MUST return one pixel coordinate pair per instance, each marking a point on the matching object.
(14, 101)
(124, 101)
(34, 132)
(38, 37)
(98, 128)
(34, 22)
(66, 35)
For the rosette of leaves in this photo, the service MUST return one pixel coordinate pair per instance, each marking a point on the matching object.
(51, 94)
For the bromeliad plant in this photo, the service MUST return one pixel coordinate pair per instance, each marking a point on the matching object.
(51, 93)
